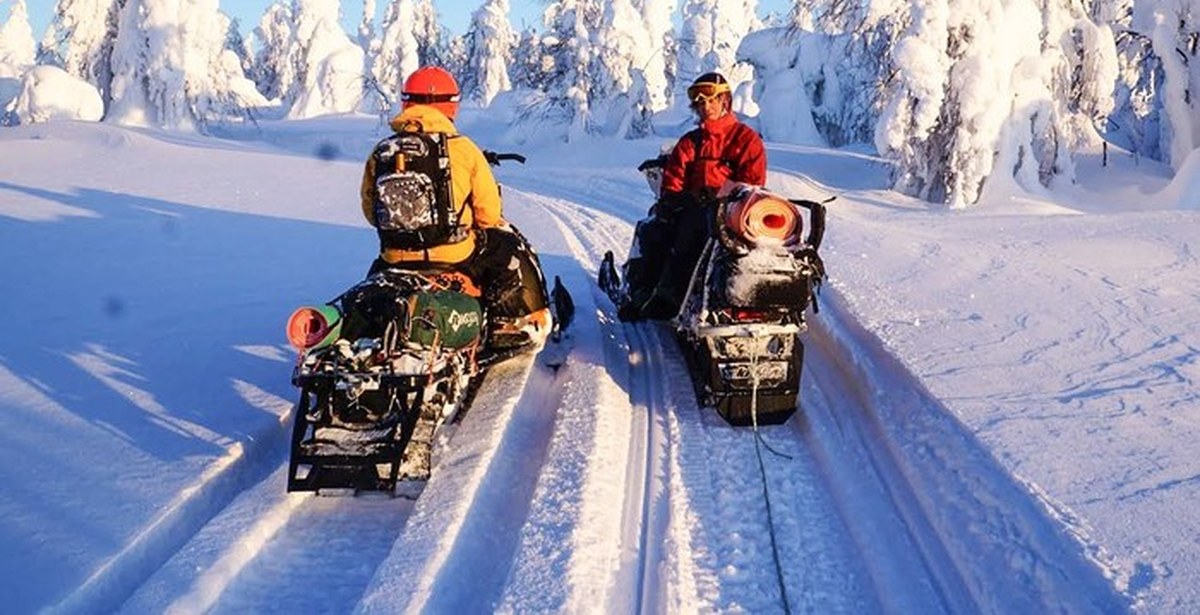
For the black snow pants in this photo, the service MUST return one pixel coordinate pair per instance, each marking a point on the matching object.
(668, 246)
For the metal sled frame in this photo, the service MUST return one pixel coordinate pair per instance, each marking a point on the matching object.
(312, 468)
(725, 382)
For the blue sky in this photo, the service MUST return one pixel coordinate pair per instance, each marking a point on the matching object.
(455, 14)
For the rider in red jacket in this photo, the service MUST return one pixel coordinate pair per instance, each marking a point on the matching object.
(722, 149)
(669, 242)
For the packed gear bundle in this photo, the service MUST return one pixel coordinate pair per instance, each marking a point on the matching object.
(385, 364)
(738, 308)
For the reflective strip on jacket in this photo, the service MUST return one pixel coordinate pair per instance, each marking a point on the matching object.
(473, 188)
(729, 151)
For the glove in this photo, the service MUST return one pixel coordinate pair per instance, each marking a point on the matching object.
(669, 205)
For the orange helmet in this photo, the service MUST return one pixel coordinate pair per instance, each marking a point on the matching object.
(431, 86)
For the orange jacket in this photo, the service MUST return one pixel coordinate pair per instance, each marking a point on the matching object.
(728, 150)
(473, 188)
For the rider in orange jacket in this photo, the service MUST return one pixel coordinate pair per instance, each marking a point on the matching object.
(491, 253)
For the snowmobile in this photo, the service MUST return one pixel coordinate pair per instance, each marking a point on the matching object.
(742, 316)
(383, 366)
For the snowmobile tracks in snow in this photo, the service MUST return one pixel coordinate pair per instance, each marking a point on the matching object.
(239, 543)
(884, 501)
(604, 486)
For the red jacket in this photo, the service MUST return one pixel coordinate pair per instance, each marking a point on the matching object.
(728, 150)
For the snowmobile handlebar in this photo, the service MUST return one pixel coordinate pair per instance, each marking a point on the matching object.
(652, 163)
(494, 158)
(817, 211)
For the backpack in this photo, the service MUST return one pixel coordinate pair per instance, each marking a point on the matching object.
(413, 209)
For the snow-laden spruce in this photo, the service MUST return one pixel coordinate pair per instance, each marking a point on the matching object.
(329, 65)
(999, 85)
(1173, 27)
(171, 69)
(17, 47)
(659, 65)
(397, 50)
(708, 41)
(490, 42)
(80, 40)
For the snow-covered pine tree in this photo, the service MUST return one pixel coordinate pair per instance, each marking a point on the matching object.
(171, 68)
(432, 43)
(622, 49)
(375, 100)
(235, 42)
(366, 27)
(398, 52)
(1173, 27)
(80, 40)
(659, 66)
(570, 54)
(847, 93)
(794, 75)
(528, 70)
(984, 86)
(490, 40)
(273, 71)
(328, 64)
(18, 50)
(1135, 121)
(709, 38)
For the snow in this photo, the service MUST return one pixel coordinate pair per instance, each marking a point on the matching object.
(50, 93)
(998, 413)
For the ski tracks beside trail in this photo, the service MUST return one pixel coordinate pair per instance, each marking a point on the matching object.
(602, 485)
(878, 500)
(693, 531)
(273, 551)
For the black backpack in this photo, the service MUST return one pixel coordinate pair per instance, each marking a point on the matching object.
(413, 209)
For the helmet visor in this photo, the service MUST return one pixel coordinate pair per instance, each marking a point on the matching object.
(700, 93)
(426, 99)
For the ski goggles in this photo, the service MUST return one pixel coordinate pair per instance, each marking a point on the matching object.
(703, 92)
(427, 99)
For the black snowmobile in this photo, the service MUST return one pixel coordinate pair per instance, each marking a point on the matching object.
(744, 310)
(384, 365)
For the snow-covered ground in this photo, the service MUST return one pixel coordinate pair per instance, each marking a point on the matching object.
(998, 413)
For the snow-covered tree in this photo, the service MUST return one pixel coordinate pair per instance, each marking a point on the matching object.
(490, 42)
(328, 64)
(988, 86)
(709, 38)
(274, 70)
(398, 52)
(794, 75)
(658, 69)
(1173, 29)
(80, 39)
(623, 48)
(171, 68)
(432, 41)
(235, 42)
(366, 27)
(18, 50)
(570, 53)
(531, 66)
